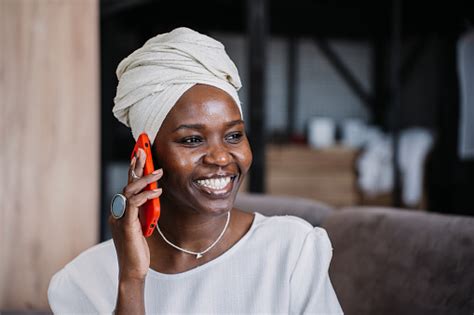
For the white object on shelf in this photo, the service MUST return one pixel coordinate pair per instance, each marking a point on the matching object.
(353, 132)
(321, 132)
(375, 164)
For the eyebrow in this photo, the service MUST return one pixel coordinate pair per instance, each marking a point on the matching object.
(189, 126)
(201, 126)
(235, 122)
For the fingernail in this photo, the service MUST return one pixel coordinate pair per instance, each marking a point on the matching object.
(133, 160)
(158, 171)
(157, 190)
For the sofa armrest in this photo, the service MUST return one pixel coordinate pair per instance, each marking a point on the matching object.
(394, 261)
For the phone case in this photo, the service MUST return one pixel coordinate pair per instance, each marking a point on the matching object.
(149, 213)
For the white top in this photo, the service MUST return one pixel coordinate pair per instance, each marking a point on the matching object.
(280, 266)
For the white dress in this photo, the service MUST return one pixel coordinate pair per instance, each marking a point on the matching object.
(280, 266)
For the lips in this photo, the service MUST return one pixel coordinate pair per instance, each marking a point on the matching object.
(219, 185)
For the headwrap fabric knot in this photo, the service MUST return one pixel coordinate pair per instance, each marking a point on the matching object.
(153, 77)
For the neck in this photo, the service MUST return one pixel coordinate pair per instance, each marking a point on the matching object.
(188, 229)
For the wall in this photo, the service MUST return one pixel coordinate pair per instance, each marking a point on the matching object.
(320, 92)
(49, 139)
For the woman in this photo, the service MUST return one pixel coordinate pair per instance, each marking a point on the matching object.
(205, 256)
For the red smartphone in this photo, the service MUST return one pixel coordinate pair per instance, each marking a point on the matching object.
(149, 213)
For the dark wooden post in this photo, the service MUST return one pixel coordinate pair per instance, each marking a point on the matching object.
(292, 85)
(256, 32)
(395, 89)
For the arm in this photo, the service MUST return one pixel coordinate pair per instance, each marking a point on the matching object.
(133, 253)
(130, 299)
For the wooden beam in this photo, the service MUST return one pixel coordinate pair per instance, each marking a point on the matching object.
(257, 35)
(292, 84)
(395, 91)
(379, 82)
(344, 72)
(49, 139)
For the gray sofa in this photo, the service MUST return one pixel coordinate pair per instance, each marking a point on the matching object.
(389, 261)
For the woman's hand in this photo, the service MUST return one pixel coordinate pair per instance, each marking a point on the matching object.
(132, 249)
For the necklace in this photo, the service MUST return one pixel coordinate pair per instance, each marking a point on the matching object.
(197, 254)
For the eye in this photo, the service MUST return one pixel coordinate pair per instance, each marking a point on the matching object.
(234, 137)
(192, 140)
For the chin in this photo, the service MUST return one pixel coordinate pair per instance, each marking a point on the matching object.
(215, 206)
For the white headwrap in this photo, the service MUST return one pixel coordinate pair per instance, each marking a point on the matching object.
(153, 78)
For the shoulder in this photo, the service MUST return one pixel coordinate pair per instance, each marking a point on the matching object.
(289, 225)
(93, 270)
(292, 242)
(94, 260)
(102, 255)
(291, 230)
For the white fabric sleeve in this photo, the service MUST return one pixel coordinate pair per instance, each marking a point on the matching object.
(311, 291)
(66, 297)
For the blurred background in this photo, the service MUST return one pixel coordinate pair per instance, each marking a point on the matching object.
(346, 103)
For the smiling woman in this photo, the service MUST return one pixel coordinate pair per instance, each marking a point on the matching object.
(206, 156)
(207, 257)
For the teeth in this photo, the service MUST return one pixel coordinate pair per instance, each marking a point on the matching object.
(215, 183)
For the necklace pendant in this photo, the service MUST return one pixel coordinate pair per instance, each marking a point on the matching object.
(198, 255)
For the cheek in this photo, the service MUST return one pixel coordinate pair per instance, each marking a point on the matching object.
(244, 157)
(177, 165)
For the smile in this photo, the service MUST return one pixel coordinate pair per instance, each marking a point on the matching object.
(216, 186)
(215, 183)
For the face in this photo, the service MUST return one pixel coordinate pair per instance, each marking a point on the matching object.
(204, 152)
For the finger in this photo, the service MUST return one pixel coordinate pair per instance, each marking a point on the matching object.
(133, 163)
(135, 202)
(138, 200)
(136, 186)
(141, 159)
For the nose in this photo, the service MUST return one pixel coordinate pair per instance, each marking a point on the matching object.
(217, 155)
